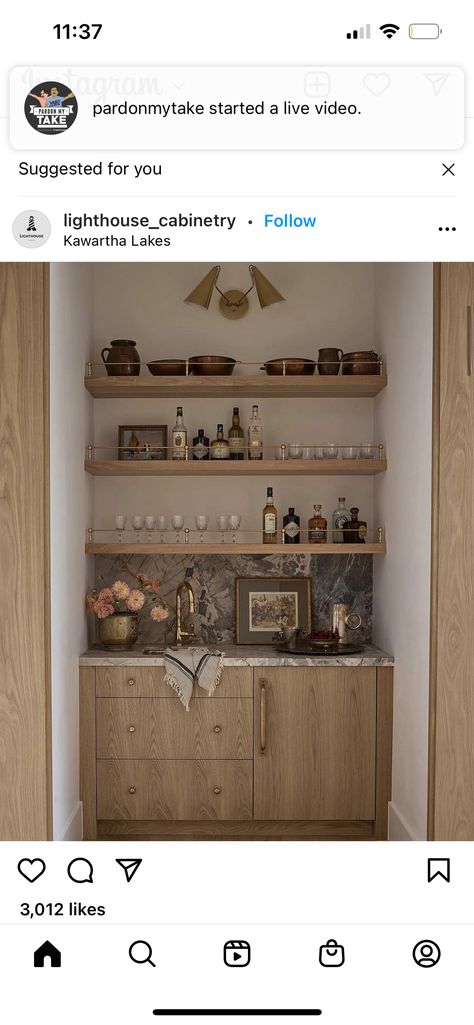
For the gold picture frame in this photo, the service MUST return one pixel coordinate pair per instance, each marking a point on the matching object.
(266, 605)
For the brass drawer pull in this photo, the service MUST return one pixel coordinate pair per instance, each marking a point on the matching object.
(131, 729)
(263, 717)
(217, 729)
(132, 790)
(217, 790)
(131, 682)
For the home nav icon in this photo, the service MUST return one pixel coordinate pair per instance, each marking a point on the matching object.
(47, 950)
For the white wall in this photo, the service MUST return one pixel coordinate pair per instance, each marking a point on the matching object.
(71, 511)
(326, 305)
(404, 327)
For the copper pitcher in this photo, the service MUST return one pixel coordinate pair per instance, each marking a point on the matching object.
(329, 361)
(122, 359)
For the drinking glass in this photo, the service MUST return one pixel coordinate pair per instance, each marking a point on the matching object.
(120, 522)
(161, 524)
(202, 523)
(318, 452)
(150, 525)
(308, 452)
(330, 450)
(349, 451)
(234, 524)
(223, 525)
(178, 524)
(366, 451)
(295, 450)
(137, 522)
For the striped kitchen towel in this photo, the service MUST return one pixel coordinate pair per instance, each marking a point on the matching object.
(187, 666)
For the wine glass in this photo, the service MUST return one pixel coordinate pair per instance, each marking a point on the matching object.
(234, 524)
(177, 522)
(223, 525)
(161, 522)
(202, 523)
(120, 522)
(150, 525)
(137, 522)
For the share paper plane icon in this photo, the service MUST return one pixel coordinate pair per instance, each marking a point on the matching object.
(130, 866)
(437, 81)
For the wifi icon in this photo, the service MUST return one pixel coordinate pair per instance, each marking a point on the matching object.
(389, 30)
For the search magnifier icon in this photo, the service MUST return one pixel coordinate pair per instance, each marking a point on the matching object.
(140, 952)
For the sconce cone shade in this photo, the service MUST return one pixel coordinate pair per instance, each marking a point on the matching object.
(202, 294)
(267, 293)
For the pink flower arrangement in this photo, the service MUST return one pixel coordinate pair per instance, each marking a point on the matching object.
(122, 598)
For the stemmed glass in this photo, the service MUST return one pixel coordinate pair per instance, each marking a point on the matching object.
(120, 522)
(137, 522)
(161, 523)
(178, 524)
(202, 523)
(150, 525)
(234, 524)
(223, 525)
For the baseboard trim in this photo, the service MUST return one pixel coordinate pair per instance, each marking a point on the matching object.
(73, 827)
(398, 829)
(223, 830)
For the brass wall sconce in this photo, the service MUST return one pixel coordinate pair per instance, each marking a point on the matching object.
(234, 304)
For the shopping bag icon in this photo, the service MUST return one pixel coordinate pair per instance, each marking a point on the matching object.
(331, 955)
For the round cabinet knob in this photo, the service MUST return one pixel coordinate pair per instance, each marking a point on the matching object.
(217, 729)
(131, 683)
(217, 790)
(131, 729)
(132, 790)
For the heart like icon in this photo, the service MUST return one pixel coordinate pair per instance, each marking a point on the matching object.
(377, 84)
(31, 868)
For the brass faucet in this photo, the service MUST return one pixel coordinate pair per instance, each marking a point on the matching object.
(181, 634)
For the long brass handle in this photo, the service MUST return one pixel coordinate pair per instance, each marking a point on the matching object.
(469, 341)
(263, 717)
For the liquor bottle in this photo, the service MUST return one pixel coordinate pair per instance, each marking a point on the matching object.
(291, 528)
(340, 516)
(270, 520)
(236, 437)
(255, 435)
(200, 445)
(179, 436)
(317, 527)
(355, 530)
(220, 446)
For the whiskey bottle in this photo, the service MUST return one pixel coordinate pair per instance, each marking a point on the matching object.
(236, 437)
(200, 445)
(255, 435)
(340, 516)
(291, 528)
(270, 520)
(179, 436)
(317, 528)
(354, 530)
(220, 446)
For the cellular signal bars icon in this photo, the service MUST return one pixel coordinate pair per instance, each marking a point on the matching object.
(359, 33)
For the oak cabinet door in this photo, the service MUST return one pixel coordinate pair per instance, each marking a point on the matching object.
(174, 790)
(315, 739)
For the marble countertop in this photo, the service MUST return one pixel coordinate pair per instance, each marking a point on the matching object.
(242, 655)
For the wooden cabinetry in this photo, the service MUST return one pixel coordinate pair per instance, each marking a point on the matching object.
(297, 752)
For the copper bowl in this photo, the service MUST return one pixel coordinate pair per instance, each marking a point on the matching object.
(360, 363)
(292, 366)
(167, 367)
(207, 366)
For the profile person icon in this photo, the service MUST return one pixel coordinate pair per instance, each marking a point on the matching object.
(426, 954)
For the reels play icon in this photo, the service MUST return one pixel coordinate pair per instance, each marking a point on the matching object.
(51, 108)
(237, 953)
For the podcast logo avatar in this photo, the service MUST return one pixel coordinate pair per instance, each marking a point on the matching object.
(51, 108)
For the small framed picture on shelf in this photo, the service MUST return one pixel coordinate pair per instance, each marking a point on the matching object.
(266, 605)
(142, 441)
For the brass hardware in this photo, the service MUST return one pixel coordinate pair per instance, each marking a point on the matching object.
(89, 534)
(284, 368)
(217, 790)
(182, 634)
(89, 369)
(381, 368)
(89, 452)
(381, 451)
(131, 729)
(263, 717)
(469, 341)
(187, 368)
(132, 790)
(283, 452)
(233, 304)
(186, 534)
(131, 682)
(283, 535)
(217, 729)
(381, 534)
(186, 452)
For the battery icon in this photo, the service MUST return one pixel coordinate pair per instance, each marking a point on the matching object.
(427, 31)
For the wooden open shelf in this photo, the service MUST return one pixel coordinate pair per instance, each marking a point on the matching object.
(194, 548)
(243, 386)
(235, 468)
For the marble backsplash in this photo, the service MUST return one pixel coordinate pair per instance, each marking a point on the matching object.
(346, 578)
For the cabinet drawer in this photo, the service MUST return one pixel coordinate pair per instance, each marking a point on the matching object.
(161, 728)
(174, 790)
(148, 682)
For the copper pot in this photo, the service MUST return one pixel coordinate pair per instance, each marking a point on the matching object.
(167, 367)
(329, 361)
(119, 632)
(122, 358)
(291, 366)
(360, 363)
(208, 366)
